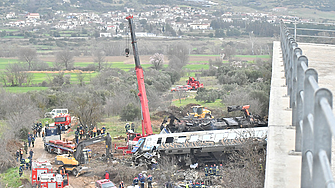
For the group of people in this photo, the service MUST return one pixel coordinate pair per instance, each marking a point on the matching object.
(37, 128)
(213, 170)
(26, 163)
(81, 131)
(129, 127)
(141, 179)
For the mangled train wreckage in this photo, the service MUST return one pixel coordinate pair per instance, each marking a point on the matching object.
(196, 147)
(171, 124)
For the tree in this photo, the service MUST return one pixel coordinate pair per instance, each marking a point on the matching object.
(99, 57)
(27, 55)
(178, 55)
(87, 107)
(229, 52)
(157, 60)
(65, 59)
(81, 77)
(130, 112)
(16, 75)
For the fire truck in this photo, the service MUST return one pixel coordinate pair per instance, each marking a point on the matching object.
(195, 84)
(64, 120)
(132, 138)
(42, 176)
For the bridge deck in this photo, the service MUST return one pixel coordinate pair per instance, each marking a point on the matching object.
(283, 168)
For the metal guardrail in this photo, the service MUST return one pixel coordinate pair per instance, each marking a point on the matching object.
(312, 115)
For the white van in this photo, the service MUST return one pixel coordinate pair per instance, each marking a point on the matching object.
(54, 112)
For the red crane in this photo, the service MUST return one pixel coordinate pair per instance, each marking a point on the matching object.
(146, 122)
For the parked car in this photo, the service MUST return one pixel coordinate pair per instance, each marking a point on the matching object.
(180, 88)
(104, 183)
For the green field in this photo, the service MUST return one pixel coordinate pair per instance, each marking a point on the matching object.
(13, 37)
(11, 177)
(254, 56)
(190, 99)
(23, 89)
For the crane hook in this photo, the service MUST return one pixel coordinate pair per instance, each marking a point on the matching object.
(127, 52)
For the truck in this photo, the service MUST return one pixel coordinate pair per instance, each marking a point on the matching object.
(64, 120)
(54, 144)
(195, 84)
(146, 122)
(42, 176)
(56, 111)
(72, 161)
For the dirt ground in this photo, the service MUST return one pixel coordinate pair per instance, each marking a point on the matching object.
(82, 181)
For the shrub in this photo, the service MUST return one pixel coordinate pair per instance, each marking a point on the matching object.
(130, 112)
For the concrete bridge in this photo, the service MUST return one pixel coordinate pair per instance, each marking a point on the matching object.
(299, 140)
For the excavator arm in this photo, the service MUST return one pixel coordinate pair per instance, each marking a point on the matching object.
(78, 154)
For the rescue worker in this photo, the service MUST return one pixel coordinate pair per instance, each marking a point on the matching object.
(211, 171)
(21, 153)
(29, 141)
(197, 184)
(142, 180)
(127, 127)
(20, 171)
(25, 147)
(103, 130)
(62, 171)
(98, 132)
(33, 140)
(121, 185)
(39, 129)
(76, 135)
(106, 175)
(94, 132)
(22, 163)
(206, 170)
(135, 181)
(27, 161)
(31, 153)
(17, 155)
(133, 127)
(214, 169)
(81, 132)
(187, 185)
(149, 179)
(203, 185)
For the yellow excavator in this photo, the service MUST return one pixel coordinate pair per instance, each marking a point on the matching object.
(200, 112)
(72, 162)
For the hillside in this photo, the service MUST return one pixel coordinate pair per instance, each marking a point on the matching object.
(45, 6)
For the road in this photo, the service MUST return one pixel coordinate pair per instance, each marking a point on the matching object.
(41, 155)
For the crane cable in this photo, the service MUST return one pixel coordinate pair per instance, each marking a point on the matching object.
(127, 43)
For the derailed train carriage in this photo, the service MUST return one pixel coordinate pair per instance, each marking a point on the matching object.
(196, 147)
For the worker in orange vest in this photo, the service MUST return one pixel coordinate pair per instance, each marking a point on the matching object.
(94, 132)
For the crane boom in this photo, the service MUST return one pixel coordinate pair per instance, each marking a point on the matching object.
(146, 122)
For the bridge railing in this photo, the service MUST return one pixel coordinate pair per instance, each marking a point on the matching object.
(312, 115)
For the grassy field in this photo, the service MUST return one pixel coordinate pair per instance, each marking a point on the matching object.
(197, 62)
(11, 177)
(190, 99)
(23, 89)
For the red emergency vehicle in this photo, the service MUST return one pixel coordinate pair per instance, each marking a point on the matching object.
(64, 120)
(42, 176)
